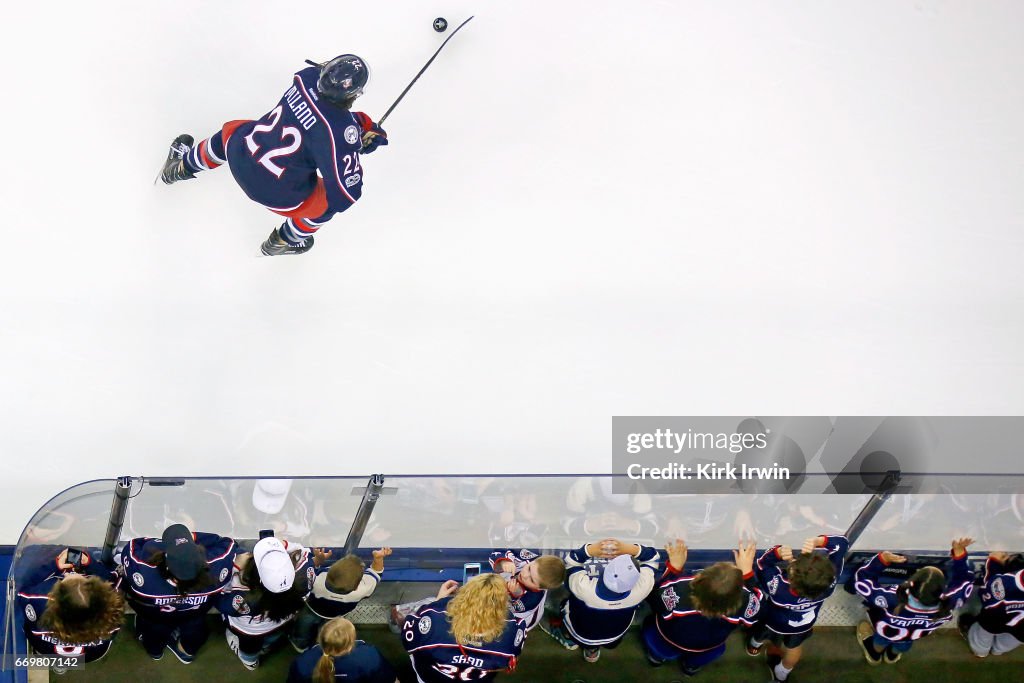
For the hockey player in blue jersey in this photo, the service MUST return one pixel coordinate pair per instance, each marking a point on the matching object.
(71, 609)
(900, 615)
(607, 581)
(301, 160)
(999, 627)
(795, 588)
(467, 634)
(171, 583)
(528, 578)
(694, 613)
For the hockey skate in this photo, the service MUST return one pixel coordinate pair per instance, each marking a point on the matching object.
(275, 245)
(174, 167)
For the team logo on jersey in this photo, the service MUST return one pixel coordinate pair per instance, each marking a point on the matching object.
(518, 606)
(670, 598)
(752, 607)
(773, 585)
(224, 574)
(881, 602)
(424, 625)
(310, 577)
(526, 554)
(137, 579)
(998, 590)
(353, 180)
(520, 634)
(239, 604)
(351, 135)
(30, 612)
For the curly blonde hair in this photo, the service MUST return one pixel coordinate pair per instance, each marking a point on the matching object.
(83, 610)
(479, 610)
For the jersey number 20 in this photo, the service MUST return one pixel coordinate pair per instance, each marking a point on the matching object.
(286, 149)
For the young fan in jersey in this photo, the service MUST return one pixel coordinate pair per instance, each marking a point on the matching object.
(528, 577)
(467, 634)
(999, 627)
(694, 613)
(338, 655)
(171, 583)
(795, 587)
(607, 582)
(267, 591)
(337, 590)
(899, 615)
(276, 159)
(71, 610)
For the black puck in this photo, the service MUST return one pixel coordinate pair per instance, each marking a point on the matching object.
(440, 24)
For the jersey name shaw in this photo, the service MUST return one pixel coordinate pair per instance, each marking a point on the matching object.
(305, 117)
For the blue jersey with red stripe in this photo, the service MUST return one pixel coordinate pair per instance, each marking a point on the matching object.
(786, 612)
(154, 594)
(897, 622)
(1002, 600)
(527, 605)
(679, 622)
(438, 658)
(32, 601)
(275, 159)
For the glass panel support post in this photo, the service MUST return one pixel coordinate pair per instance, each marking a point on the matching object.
(118, 508)
(884, 490)
(372, 492)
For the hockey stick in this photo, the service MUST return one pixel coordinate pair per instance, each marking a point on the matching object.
(429, 62)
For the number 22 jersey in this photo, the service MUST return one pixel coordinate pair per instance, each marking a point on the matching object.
(276, 159)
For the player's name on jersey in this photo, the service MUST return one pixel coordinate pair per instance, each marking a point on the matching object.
(301, 110)
(710, 471)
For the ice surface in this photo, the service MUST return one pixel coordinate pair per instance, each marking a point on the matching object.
(587, 209)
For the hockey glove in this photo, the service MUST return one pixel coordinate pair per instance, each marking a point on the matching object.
(373, 135)
(374, 138)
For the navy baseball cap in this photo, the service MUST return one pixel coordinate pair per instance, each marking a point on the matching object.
(183, 557)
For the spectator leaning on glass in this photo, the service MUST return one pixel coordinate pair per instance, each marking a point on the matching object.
(607, 582)
(337, 590)
(795, 586)
(999, 627)
(900, 615)
(171, 583)
(72, 607)
(338, 655)
(694, 613)
(267, 590)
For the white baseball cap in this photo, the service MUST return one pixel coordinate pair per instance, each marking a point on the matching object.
(277, 573)
(269, 495)
(620, 574)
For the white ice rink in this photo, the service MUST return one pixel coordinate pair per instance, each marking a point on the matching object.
(587, 209)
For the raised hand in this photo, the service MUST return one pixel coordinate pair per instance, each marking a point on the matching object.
(677, 553)
(744, 556)
(892, 558)
(320, 556)
(786, 553)
(960, 545)
(378, 559)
